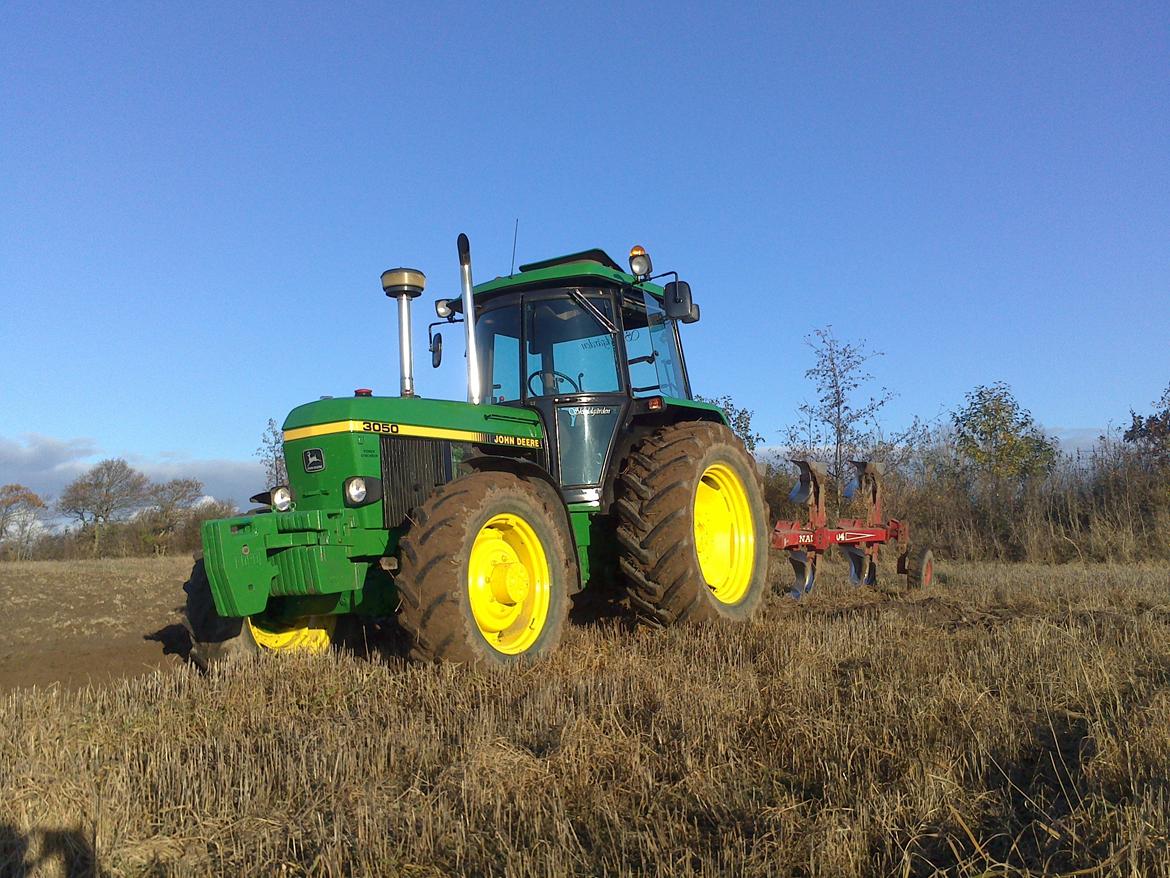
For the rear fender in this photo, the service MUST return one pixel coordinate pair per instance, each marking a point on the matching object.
(641, 424)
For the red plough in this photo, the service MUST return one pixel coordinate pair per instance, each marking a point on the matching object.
(858, 538)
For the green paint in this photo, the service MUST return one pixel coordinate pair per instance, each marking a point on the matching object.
(419, 411)
(322, 547)
(585, 270)
(376, 597)
(250, 559)
(580, 516)
(712, 412)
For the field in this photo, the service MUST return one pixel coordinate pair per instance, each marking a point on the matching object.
(89, 621)
(1010, 720)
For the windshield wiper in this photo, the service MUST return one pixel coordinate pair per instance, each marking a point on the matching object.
(592, 309)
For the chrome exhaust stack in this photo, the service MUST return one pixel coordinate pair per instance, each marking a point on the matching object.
(404, 284)
(474, 391)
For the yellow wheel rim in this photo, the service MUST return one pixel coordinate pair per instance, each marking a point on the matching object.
(312, 634)
(725, 536)
(509, 584)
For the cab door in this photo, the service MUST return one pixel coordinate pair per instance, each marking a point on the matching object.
(572, 377)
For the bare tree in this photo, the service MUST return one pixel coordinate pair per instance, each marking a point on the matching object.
(835, 425)
(271, 454)
(109, 491)
(176, 495)
(25, 530)
(172, 502)
(20, 509)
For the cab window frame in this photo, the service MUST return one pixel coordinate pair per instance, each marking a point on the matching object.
(487, 354)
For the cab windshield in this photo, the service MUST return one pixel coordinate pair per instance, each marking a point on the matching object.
(568, 346)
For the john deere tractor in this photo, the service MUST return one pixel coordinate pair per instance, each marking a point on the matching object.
(579, 462)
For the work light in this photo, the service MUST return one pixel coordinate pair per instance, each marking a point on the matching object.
(640, 265)
(443, 308)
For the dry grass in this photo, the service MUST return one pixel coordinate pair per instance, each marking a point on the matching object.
(1014, 720)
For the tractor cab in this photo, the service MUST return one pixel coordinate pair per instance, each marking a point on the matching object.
(588, 346)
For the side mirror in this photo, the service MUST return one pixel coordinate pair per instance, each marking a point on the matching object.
(436, 350)
(677, 302)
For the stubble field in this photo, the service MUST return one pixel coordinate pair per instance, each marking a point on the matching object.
(1010, 720)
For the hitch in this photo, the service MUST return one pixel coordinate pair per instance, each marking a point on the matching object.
(857, 538)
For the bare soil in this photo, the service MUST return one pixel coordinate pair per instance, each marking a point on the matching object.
(80, 622)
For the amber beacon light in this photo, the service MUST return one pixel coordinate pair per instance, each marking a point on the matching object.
(640, 265)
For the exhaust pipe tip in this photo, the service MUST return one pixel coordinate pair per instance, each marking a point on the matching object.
(474, 393)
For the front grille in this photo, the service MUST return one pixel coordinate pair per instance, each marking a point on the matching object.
(411, 469)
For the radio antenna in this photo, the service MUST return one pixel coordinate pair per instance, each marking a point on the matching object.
(515, 234)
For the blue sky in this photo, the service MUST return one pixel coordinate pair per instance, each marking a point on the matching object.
(196, 201)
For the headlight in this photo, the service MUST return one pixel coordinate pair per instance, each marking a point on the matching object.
(361, 490)
(355, 490)
(281, 499)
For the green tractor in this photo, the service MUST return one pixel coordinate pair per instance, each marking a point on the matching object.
(580, 463)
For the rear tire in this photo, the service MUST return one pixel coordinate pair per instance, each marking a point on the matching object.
(485, 573)
(692, 531)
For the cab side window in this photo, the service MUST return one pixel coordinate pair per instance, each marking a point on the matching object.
(497, 333)
(652, 347)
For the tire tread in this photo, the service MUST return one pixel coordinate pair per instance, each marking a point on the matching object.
(655, 534)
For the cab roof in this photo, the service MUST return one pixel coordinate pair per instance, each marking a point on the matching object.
(589, 265)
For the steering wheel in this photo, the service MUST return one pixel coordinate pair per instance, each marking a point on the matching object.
(560, 376)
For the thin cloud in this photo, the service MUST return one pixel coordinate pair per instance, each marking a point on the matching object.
(47, 464)
(235, 480)
(1074, 439)
(44, 463)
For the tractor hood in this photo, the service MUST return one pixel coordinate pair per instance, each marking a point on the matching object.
(386, 439)
(417, 417)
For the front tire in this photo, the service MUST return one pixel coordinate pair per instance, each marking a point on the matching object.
(217, 639)
(485, 573)
(692, 526)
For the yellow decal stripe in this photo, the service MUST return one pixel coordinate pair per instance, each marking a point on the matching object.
(383, 428)
(338, 426)
(441, 433)
(318, 430)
